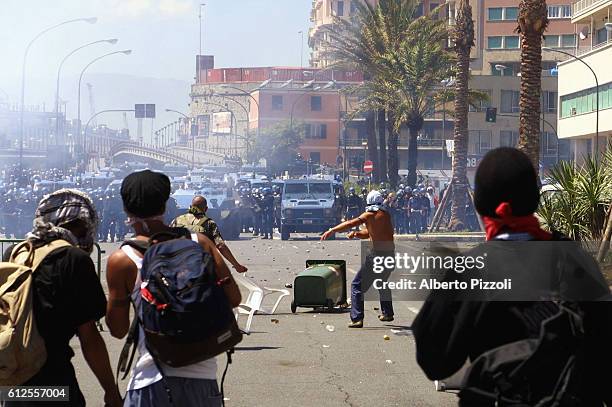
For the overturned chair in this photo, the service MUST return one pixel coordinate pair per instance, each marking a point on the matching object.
(255, 298)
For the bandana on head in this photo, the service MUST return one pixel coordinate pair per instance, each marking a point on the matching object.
(59, 209)
(375, 202)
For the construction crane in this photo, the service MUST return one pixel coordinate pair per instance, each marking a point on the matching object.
(92, 107)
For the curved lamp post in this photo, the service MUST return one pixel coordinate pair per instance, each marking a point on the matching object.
(59, 72)
(124, 52)
(90, 20)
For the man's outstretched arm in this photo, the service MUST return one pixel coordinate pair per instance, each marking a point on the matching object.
(344, 226)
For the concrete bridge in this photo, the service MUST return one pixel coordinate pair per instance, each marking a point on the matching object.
(175, 154)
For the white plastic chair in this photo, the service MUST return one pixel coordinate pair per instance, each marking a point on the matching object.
(255, 298)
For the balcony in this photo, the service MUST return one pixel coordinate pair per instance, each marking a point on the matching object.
(585, 8)
(425, 144)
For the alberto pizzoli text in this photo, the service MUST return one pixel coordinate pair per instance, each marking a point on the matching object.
(434, 284)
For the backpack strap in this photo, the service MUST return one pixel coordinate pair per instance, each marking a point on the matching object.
(25, 253)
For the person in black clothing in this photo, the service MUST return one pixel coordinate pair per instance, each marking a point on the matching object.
(68, 297)
(451, 328)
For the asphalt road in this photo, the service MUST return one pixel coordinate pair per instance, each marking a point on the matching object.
(297, 361)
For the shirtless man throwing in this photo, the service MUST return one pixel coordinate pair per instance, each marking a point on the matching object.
(379, 229)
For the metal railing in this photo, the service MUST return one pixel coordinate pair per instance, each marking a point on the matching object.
(424, 142)
(582, 5)
(97, 255)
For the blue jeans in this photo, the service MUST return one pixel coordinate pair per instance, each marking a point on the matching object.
(185, 392)
(362, 282)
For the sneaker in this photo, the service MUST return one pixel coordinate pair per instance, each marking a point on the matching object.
(385, 318)
(356, 324)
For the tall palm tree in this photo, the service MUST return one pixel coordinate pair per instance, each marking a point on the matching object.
(463, 41)
(381, 125)
(532, 23)
(404, 58)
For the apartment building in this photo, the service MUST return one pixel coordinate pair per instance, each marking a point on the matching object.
(585, 114)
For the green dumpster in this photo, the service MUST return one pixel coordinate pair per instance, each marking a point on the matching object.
(321, 285)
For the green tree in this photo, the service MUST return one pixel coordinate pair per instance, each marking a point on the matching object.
(278, 145)
(404, 59)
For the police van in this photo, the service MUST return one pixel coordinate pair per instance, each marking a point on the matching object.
(308, 206)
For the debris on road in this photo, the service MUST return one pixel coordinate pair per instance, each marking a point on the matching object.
(326, 346)
(389, 361)
(288, 285)
(386, 337)
(274, 320)
(330, 328)
(402, 332)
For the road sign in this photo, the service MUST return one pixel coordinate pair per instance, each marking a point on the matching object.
(368, 167)
(143, 111)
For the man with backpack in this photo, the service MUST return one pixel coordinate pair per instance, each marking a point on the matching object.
(183, 295)
(196, 221)
(524, 351)
(66, 300)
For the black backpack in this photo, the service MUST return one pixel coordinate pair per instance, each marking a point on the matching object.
(538, 372)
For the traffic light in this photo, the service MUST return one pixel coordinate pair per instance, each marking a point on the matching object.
(491, 115)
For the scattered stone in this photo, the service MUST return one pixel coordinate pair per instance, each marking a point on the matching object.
(274, 321)
(288, 285)
(326, 346)
(389, 361)
(386, 337)
(375, 308)
(330, 328)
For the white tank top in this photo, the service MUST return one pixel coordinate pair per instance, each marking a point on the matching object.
(145, 372)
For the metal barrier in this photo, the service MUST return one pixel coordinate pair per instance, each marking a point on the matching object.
(6, 243)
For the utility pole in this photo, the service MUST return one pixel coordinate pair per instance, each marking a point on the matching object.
(200, 39)
(301, 48)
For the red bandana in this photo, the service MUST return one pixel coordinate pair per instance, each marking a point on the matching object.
(518, 224)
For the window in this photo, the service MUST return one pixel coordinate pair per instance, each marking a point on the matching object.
(353, 7)
(277, 102)
(511, 42)
(340, 11)
(510, 101)
(564, 11)
(494, 42)
(315, 157)
(508, 138)
(503, 13)
(511, 13)
(549, 100)
(479, 141)
(551, 41)
(568, 40)
(419, 11)
(483, 104)
(585, 101)
(496, 14)
(432, 6)
(602, 36)
(315, 131)
(315, 103)
(548, 144)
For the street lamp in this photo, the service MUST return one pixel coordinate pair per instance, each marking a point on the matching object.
(192, 137)
(244, 92)
(596, 90)
(59, 71)
(90, 120)
(90, 20)
(501, 68)
(124, 52)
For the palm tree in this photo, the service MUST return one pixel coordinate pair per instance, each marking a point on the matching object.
(532, 23)
(463, 40)
(404, 59)
(381, 124)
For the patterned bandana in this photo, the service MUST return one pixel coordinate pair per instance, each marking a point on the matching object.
(375, 202)
(59, 209)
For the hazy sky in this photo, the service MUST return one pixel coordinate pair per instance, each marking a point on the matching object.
(163, 35)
